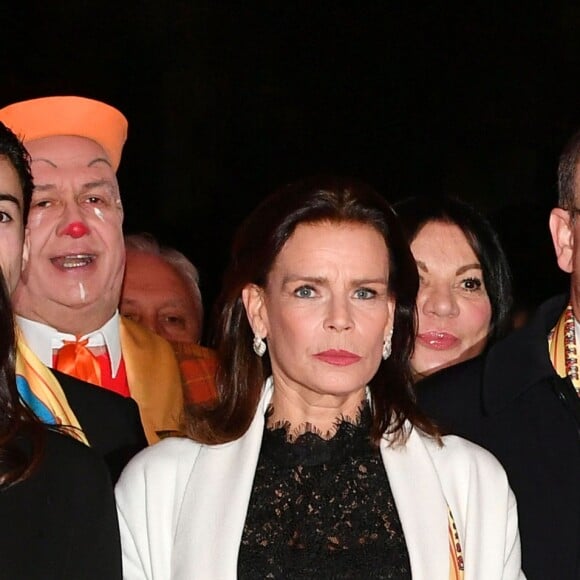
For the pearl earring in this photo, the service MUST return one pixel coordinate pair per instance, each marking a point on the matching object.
(259, 345)
(387, 345)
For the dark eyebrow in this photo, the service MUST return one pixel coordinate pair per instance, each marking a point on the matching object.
(99, 183)
(99, 160)
(312, 279)
(467, 267)
(476, 266)
(365, 281)
(45, 161)
(320, 280)
(91, 163)
(44, 187)
(110, 185)
(9, 197)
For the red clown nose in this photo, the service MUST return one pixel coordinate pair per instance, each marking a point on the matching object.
(76, 230)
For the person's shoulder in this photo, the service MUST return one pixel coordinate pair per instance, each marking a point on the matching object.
(455, 376)
(457, 455)
(65, 447)
(71, 462)
(453, 396)
(95, 404)
(170, 456)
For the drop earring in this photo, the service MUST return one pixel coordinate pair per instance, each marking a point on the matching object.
(259, 345)
(387, 345)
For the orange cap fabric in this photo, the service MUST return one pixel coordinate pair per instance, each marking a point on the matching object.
(52, 116)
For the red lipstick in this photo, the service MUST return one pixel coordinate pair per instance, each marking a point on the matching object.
(438, 340)
(340, 358)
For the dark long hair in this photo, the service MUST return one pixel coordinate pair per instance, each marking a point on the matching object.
(258, 242)
(21, 434)
(416, 212)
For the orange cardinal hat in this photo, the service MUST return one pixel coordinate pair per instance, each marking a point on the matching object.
(52, 116)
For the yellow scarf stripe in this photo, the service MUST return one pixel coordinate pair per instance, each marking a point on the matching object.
(45, 386)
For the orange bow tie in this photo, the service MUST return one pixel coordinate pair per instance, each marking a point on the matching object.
(75, 359)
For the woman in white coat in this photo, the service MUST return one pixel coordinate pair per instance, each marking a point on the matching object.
(315, 461)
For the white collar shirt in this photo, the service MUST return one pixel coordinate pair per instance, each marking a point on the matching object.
(44, 340)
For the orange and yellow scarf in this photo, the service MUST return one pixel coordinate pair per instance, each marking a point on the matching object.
(36, 382)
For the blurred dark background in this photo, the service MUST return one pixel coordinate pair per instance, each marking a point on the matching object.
(227, 100)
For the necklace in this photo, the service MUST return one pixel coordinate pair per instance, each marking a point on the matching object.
(563, 347)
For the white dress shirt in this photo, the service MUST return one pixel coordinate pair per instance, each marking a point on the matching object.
(44, 340)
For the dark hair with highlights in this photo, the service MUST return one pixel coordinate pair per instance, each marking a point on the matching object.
(241, 374)
(21, 433)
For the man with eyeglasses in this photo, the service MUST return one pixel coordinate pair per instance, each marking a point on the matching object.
(521, 400)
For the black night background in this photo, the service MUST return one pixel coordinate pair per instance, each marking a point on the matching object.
(227, 100)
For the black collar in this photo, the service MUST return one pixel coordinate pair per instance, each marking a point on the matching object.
(520, 360)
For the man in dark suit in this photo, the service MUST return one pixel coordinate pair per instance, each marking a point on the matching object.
(110, 422)
(521, 401)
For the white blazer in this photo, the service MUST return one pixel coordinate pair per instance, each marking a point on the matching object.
(182, 506)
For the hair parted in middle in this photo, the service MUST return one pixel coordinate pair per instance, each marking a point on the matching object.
(241, 374)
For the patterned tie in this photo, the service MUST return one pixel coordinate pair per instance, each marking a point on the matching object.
(75, 359)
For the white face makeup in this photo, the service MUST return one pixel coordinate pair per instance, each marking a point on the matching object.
(82, 292)
(75, 271)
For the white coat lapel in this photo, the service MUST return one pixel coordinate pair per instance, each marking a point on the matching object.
(218, 493)
(421, 506)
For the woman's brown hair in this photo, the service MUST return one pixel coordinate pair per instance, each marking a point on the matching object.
(241, 374)
(21, 433)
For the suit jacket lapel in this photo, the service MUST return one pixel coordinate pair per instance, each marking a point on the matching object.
(421, 506)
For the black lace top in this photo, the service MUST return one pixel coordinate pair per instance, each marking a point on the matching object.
(322, 508)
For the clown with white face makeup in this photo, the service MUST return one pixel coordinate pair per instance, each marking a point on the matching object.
(73, 278)
(69, 290)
